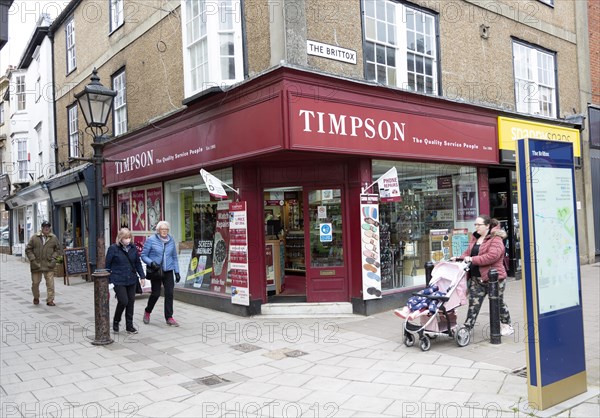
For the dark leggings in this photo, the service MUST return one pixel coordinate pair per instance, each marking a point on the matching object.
(125, 300)
(169, 284)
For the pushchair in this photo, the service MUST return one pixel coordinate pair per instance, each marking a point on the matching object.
(432, 311)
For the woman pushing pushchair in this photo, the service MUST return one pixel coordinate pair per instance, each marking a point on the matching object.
(486, 251)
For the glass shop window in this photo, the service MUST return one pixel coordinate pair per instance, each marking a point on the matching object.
(430, 221)
(199, 222)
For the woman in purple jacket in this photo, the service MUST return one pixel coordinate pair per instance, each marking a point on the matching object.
(486, 251)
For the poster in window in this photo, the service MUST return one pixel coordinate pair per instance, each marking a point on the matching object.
(221, 249)
(154, 206)
(466, 202)
(200, 268)
(123, 204)
(460, 241)
(370, 246)
(238, 254)
(138, 211)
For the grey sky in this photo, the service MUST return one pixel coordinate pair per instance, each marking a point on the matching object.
(22, 16)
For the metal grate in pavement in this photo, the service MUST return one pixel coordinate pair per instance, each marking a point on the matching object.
(246, 348)
(212, 380)
(521, 372)
(295, 353)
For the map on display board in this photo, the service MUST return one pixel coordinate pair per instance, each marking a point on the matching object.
(556, 243)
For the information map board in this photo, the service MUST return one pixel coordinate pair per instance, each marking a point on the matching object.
(552, 285)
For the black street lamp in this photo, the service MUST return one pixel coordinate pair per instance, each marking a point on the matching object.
(96, 103)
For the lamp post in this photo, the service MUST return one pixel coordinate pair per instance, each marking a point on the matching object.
(96, 103)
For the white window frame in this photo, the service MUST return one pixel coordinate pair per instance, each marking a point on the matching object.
(536, 91)
(1, 113)
(70, 44)
(391, 32)
(116, 14)
(22, 160)
(120, 104)
(20, 92)
(73, 125)
(548, 2)
(205, 24)
(38, 89)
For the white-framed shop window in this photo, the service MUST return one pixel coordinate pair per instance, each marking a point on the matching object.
(73, 131)
(400, 46)
(120, 103)
(70, 44)
(211, 29)
(116, 14)
(535, 80)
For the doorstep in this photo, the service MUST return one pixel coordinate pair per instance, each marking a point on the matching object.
(307, 310)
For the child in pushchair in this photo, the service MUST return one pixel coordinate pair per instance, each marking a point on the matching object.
(431, 312)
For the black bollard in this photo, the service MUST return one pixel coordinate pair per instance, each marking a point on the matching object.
(495, 336)
(428, 269)
(101, 308)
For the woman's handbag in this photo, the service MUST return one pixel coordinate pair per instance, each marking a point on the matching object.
(138, 288)
(156, 274)
(138, 285)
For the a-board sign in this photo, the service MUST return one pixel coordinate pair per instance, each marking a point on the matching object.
(76, 261)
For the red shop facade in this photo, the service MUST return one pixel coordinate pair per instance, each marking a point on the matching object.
(299, 148)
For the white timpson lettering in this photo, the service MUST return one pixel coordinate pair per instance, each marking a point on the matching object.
(333, 123)
(306, 114)
(135, 162)
(370, 127)
(341, 124)
(356, 123)
(321, 131)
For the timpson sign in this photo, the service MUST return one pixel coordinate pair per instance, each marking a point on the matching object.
(335, 127)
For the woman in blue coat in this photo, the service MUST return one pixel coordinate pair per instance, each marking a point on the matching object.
(160, 251)
(123, 261)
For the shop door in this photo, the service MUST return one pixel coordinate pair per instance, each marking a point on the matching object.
(326, 271)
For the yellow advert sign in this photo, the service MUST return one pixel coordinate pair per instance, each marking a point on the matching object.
(509, 130)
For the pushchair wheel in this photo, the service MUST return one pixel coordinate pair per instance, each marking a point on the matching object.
(409, 340)
(462, 336)
(425, 343)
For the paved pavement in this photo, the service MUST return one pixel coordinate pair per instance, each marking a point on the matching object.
(218, 364)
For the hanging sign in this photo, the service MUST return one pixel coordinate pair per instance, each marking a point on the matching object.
(213, 184)
(389, 189)
(238, 254)
(370, 246)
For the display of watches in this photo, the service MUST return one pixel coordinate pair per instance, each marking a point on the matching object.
(219, 254)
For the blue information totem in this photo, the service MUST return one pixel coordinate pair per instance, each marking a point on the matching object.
(552, 285)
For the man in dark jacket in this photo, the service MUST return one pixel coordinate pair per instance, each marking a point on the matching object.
(42, 251)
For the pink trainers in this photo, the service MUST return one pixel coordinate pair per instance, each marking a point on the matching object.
(172, 322)
(146, 317)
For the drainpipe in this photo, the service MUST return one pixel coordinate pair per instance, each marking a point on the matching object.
(55, 146)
